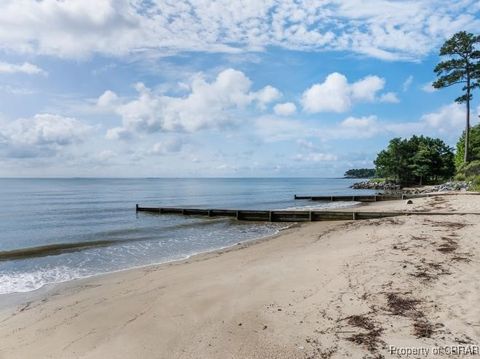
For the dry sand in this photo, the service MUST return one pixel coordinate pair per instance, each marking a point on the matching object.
(320, 290)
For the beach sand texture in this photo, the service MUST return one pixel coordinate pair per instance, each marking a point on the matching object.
(319, 290)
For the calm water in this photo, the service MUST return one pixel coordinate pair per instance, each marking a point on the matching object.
(101, 213)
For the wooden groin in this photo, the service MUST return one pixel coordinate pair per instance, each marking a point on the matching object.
(270, 216)
(289, 216)
(370, 198)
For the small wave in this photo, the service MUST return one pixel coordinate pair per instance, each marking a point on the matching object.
(28, 281)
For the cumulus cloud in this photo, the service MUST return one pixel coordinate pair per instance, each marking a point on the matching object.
(336, 94)
(40, 136)
(448, 118)
(385, 29)
(267, 95)
(107, 99)
(207, 105)
(25, 68)
(285, 109)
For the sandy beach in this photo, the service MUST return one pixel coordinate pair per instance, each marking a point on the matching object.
(319, 290)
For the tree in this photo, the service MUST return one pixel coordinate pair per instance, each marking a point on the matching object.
(462, 67)
(474, 147)
(360, 173)
(417, 160)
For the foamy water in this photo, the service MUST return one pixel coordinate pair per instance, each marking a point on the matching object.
(96, 220)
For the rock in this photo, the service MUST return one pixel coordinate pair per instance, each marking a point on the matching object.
(409, 201)
(375, 185)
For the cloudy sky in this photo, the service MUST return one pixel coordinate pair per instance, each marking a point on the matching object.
(220, 87)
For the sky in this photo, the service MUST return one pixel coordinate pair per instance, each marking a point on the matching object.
(217, 88)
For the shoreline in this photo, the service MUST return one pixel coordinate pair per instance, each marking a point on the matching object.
(6, 296)
(321, 289)
(7, 300)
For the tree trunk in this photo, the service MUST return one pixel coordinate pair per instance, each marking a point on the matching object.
(467, 126)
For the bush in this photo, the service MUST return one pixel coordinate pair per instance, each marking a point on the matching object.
(470, 169)
(474, 153)
(474, 183)
(460, 177)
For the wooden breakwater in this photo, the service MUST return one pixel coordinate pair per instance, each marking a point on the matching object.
(270, 216)
(366, 198)
(370, 198)
(289, 216)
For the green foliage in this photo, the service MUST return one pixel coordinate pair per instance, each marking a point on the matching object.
(418, 160)
(461, 67)
(470, 169)
(474, 147)
(474, 183)
(360, 173)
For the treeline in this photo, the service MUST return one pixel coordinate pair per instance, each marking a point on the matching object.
(360, 173)
(417, 160)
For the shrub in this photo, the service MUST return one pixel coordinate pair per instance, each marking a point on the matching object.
(470, 169)
(474, 183)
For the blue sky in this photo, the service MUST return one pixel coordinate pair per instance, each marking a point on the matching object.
(220, 88)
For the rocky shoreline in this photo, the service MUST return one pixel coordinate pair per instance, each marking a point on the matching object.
(387, 186)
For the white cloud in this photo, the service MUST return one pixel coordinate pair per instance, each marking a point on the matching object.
(25, 68)
(385, 29)
(316, 157)
(118, 133)
(332, 95)
(42, 135)
(171, 145)
(107, 99)
(428, 87)
(267, 95)
(271, 129)
(285, 109)
(367, 88)
(207, 105)
(357, 127)
(389, 97)
(407, 83)
(448, 118)
(335, 94)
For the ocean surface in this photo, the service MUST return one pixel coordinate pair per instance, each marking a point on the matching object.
(98, 217)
